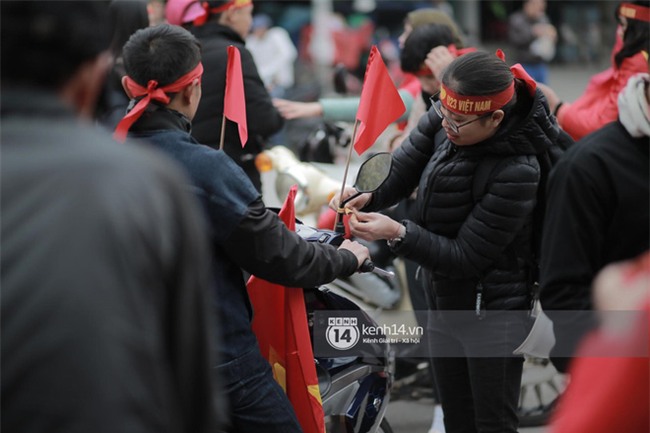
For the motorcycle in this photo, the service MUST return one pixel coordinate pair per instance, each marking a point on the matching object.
(355, 389)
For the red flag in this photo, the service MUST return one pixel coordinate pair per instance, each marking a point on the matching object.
(280, 324)
(380, 103)
(234, 101)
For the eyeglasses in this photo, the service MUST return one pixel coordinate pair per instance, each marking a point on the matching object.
(455, 128)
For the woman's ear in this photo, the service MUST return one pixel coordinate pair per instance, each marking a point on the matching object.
(497, 117)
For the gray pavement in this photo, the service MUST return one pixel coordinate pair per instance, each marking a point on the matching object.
(414, 417)
(570, 81)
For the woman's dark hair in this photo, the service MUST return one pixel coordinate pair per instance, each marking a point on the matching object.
(163, 53)
(480, 73)
(636, 37)
(45, 42)
(126, 16)
(421, 40)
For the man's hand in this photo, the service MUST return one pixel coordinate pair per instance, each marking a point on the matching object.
(357, 249)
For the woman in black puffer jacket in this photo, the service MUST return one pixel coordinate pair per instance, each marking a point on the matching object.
(474, 242)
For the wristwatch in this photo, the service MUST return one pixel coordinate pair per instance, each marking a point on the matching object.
(394, 242)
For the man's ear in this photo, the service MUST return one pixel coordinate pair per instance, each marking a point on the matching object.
(224, 17)
(126, 89)
(189, 91)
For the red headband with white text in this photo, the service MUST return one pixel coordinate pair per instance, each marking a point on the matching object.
(152, 93)
(634, 12)
(478, 105)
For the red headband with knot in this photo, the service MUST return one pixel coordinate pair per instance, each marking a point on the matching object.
(151, 93)
(208, 11)
(478, 105)
(518, 71)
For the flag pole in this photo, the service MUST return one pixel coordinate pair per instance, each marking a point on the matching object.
(223, 131)
(339, 227)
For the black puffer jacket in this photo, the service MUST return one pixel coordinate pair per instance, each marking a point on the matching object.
(461, 239)
(263, 120)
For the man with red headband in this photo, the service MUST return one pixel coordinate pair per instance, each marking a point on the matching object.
(477, 159)
(164, 70)
(218, 24)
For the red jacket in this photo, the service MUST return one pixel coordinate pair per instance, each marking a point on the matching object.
(608, 393)
(598, 105)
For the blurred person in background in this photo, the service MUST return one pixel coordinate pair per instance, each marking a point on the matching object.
(345, 109)
(274, 54)
(598, 212)
(105, 318)
(533, 38)
(156, 12)
(218, 24)
(126, 16)
(597, 105)
(427, 51)
(609, 389)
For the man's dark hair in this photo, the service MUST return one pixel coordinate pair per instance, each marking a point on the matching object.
(636, 36)
(44, 42)
(163, 53)
(422, 40)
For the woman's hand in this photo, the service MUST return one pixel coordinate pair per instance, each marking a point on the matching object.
(356, 203)
(372, 226)
(437, 60)
(297, 110)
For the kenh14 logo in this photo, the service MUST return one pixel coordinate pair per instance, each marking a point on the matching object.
(342, 332)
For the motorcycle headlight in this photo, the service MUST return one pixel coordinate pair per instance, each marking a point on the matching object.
(285, 181)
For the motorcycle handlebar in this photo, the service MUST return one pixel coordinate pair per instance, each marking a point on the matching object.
(369, 266)
(322, 236)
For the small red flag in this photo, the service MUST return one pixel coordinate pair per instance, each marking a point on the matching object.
(280, 325)
(380, 103)
(234, 102)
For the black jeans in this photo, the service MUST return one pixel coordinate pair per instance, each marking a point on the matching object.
(258, 403)
(479, 393)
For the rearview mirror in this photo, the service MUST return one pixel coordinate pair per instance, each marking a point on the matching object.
(373, 172)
